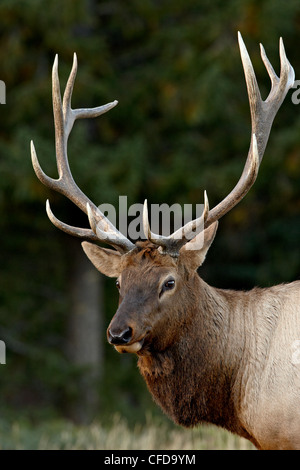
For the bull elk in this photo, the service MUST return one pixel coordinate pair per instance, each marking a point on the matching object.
(206, 354)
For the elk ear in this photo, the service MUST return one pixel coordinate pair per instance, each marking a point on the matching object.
(105, 260)
(194, 252)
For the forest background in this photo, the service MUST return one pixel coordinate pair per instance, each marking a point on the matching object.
(182, 125)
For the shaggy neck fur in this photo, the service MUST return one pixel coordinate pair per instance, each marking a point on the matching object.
(200, 377)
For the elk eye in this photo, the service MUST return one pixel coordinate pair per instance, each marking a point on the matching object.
(169, 284)
(118, 284)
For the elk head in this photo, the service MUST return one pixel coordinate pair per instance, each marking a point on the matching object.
(155, 290)
(157, 279)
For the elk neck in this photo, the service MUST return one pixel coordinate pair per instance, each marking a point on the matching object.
(198, 378)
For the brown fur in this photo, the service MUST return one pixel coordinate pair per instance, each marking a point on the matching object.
(211, 355)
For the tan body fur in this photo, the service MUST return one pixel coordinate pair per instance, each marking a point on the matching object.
(212, 355)
(233, 366)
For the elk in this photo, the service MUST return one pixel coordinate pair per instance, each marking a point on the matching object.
(206, 354)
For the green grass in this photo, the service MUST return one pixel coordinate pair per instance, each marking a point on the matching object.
(116, 435)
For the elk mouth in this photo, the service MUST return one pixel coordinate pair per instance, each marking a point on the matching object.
(133, 347)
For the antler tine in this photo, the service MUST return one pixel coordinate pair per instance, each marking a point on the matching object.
(262, 116)
(268, 65)
(81, 113)
(191, 229)
(85, 233)
(156, 239)
(64, 118)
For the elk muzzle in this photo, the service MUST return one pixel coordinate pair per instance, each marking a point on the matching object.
(120, 338)
(123, 339)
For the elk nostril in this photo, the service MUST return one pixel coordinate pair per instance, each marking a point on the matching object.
(120, 338)
(127, 335)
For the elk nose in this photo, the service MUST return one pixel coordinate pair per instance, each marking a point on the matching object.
(120, 338)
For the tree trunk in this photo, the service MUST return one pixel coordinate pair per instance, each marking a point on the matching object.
(85, 336)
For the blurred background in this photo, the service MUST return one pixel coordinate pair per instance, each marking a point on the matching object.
(182, 125)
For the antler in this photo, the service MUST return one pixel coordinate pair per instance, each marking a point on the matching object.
(262, 116)
(64, 117)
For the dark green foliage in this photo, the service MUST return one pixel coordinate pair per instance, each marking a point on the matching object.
(182, 125)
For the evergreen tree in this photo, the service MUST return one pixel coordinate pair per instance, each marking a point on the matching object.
(182, 125)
